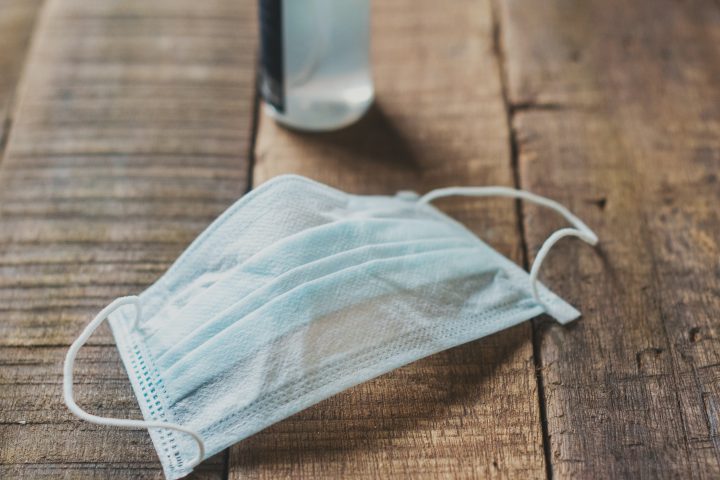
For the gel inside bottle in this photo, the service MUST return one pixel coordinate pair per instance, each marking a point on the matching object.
(314, 62)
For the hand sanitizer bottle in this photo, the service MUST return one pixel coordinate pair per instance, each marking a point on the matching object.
(314, 62)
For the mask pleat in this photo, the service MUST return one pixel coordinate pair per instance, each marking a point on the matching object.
(204, 298)
(297, 278)
(348, 287)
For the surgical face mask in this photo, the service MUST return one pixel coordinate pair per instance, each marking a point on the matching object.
(300, 291)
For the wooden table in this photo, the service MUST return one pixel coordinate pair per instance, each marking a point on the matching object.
(135, 123)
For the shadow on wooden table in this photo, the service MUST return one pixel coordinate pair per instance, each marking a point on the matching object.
(375, 155)
(374, 137)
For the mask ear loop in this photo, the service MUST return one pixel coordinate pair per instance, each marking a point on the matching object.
(581, 230)
(115, 422)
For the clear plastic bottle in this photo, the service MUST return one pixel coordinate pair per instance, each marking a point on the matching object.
(315, 62)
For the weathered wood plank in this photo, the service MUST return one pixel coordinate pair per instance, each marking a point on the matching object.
(439, 120)
(40, 439)
(617, 114)
(132, 132)
(17, 19)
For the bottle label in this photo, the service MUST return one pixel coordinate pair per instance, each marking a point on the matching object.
(272, 88)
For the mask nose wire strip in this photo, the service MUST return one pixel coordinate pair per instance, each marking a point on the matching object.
(115, 422)
(581, 230)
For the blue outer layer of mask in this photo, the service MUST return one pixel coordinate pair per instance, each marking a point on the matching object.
(297, 292)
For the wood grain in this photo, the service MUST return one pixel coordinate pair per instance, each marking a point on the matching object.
(439, 120)
(617, 115)
(132, 133)
(17, 19)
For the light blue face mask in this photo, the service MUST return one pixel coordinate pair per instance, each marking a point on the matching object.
(299, 291)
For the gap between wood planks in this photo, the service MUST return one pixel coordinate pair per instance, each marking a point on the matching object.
(625, 134)
(17, 23)
(510, 109)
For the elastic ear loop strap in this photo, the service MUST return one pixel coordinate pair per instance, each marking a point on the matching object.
(115, 422)
(581, 230)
